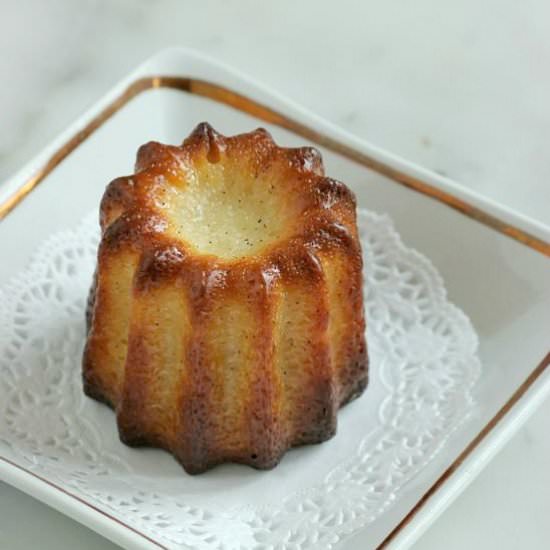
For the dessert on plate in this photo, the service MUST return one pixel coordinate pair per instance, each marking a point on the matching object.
(225, 321)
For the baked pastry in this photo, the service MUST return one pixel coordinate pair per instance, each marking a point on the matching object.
(226, 319)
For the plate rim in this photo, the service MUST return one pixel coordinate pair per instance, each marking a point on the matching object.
(525, 231)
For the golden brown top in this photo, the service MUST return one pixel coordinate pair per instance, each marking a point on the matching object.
(228, 200)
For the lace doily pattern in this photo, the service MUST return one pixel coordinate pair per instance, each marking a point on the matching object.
(423, 364)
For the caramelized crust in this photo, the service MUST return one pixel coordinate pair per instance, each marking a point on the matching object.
(226, 318)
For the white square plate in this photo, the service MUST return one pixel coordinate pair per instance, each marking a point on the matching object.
(495, 266)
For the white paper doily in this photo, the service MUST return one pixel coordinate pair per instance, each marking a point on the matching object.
(423, 366)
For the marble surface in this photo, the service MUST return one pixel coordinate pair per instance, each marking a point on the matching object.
(461, 88)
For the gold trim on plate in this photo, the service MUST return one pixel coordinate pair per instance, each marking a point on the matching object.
(81, 500)
(505, 409)
(234, 99)
(224, 95)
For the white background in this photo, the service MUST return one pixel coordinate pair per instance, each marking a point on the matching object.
(461, 87)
